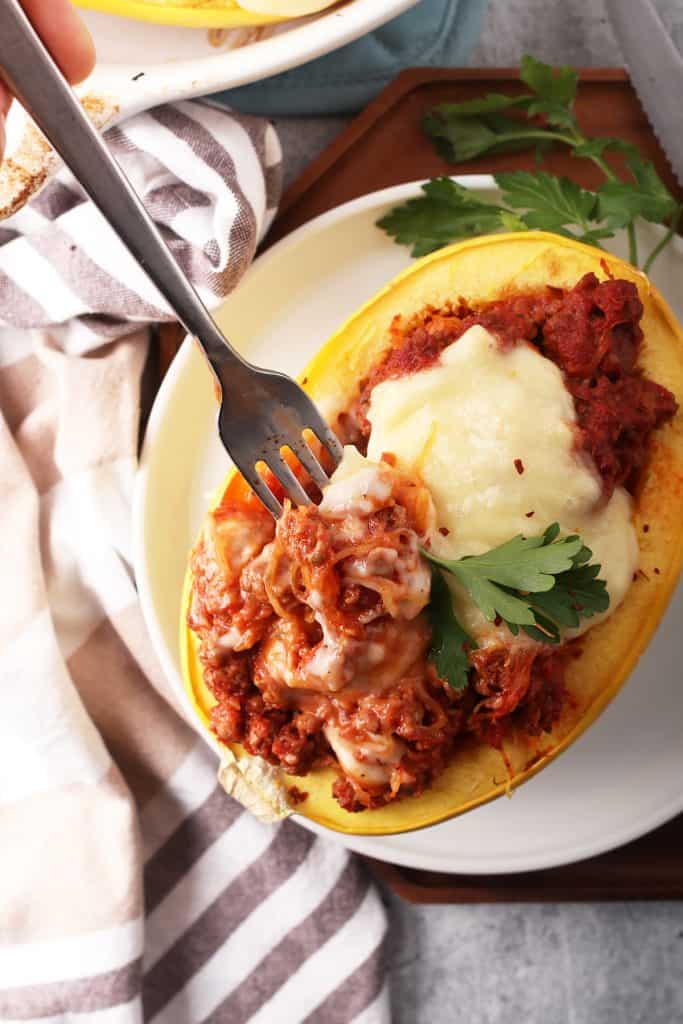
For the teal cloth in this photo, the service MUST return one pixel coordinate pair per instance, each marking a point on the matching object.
(433, 33)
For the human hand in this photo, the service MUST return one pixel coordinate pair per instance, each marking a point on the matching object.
(67, 39)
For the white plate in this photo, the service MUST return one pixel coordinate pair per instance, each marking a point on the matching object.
(178, 63)
(620, 779)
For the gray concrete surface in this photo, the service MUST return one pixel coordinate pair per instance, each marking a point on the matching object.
(536, 964)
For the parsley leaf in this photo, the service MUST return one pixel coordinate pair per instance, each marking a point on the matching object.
(539, 583)
(576, 593)
(444, 212)
(604, 143)
(491, 103)
(555, 90)
(511, 221)
(539, 119)
(554, 85)
(450, 642)
(463, 131)
(458, 137)
(551, 202)
(595, 235)
(620, 202)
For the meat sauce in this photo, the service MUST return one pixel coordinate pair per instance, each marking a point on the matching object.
(313, 638)
(592, 333)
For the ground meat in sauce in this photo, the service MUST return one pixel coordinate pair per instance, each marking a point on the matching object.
(593, 334)
(309, 569)
(419, 709)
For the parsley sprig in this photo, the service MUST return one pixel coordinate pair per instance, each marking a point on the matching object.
(450, 642)
(539, 583)
(542, 118)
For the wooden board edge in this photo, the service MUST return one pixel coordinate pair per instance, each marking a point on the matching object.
(550, 886)
(393, 94)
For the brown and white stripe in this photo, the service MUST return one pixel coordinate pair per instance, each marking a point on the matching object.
(131, 888)
(211, 181)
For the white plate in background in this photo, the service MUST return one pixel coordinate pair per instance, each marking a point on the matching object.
(622, 777)
(178, 63)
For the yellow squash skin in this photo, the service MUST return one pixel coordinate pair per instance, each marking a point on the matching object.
(197, 14)
(480, 270)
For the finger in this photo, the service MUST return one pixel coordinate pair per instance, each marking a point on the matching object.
(64, 34)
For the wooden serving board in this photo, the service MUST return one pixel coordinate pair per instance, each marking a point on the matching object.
(385, 146)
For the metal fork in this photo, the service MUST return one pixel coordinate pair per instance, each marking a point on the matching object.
(261, 411)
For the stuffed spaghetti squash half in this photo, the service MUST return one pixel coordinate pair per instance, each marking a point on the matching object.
(489, 561)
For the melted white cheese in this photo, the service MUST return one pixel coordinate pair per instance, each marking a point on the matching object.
(467, 425)
(370, 761)
(358, 487)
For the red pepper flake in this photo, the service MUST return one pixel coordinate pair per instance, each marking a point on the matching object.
(529, 514)
(304, 381)
(519, 466)
(428, 543)
(389, 458)
(497, 621)
(606, 269)
(444, 531)
(296, 795)
(656, 571)
(634, 577)
(646, 527)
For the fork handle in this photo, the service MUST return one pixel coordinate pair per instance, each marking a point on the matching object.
(34, 78)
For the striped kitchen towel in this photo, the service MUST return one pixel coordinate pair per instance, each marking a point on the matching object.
(131, 887)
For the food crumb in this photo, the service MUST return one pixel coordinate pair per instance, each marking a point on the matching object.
(529, 514)
(646, 527)
(296, 795)
(136, 78)
(389, 458)
(217, 36)
(656, 571)
(519, 466)
(304, 381)
(444, 531)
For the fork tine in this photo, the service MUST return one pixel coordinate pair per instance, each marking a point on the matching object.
(310, 463)
(330, 442)
(328, 439)
(261, 489)
(284, 474)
